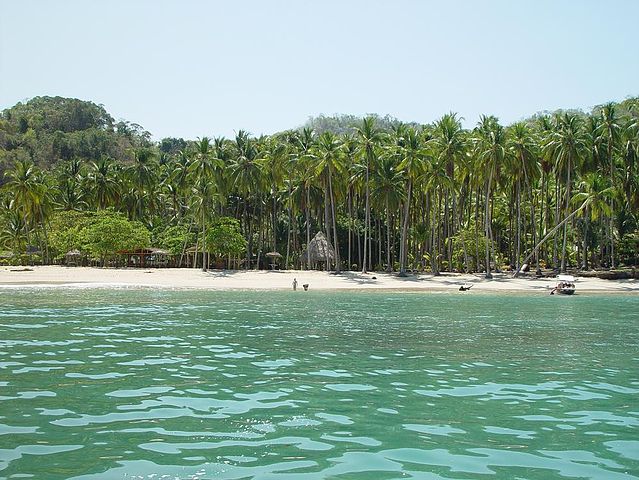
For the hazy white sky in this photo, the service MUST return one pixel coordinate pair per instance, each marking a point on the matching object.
(193, 68)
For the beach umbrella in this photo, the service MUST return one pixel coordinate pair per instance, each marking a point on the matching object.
(274, 254)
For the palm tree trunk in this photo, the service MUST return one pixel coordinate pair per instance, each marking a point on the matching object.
(350, 222)
(379, 241)
(612, 202)
(584, 264)
(551, 232)
(518, 207)
(557, 208)
(186, 239)
(274, 222)
(308, 227)
(477, 200)
(487, 223)
(367, 219)
(336, 242)
(389, 266)
(204, 263)
(563, 248)
(403, 242)
(290, 220)
(611, 234)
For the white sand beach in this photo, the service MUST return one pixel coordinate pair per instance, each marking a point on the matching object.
(51, 276)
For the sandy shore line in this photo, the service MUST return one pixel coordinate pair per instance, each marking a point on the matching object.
(52, 276)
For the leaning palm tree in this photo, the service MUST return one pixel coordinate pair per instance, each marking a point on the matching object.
(595, 195)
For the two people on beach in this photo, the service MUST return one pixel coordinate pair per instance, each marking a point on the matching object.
(295, 285)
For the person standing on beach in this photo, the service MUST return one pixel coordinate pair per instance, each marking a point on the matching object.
(294, 284)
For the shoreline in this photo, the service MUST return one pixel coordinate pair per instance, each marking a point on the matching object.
(258, 280)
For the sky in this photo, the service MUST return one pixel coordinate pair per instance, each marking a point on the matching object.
(210, 68)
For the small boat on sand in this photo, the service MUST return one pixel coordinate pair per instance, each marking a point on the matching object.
(565, 285)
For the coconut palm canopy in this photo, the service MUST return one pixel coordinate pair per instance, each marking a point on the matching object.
(561, 189)
(318, 250)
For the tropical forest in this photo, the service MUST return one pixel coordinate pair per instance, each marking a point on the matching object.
(558, 190)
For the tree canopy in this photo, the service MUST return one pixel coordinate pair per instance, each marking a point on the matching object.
(387, 195)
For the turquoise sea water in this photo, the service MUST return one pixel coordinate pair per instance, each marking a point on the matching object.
(109, 384)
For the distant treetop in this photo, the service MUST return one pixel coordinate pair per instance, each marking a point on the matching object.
(342, 124)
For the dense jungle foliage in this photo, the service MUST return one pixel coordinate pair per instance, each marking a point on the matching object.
(386, 195)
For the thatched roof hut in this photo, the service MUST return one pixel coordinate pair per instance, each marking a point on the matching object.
(318, 250)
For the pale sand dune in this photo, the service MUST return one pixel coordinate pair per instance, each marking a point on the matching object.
(283, 280)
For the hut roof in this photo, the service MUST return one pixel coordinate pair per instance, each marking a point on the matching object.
(319, 249)
(73, 253)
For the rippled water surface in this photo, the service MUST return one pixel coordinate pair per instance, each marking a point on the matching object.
(235, 385)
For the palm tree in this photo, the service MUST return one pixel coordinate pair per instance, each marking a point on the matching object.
(328, 162)
(594, 195)
(370, 139)
(611, 134)
(304, 143)
(143, 176)
(491, 151)
(272, 162)
(349, 146)
(388, 189)
(567, 145)
(178, 178)
(202, 170)
(450, 145)
(437, 182)
(593, 189)
(14, 231)
(522, 146)
(630, 152)
(246, 177)
(31, 197)
(411, 154)
(102, 184)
